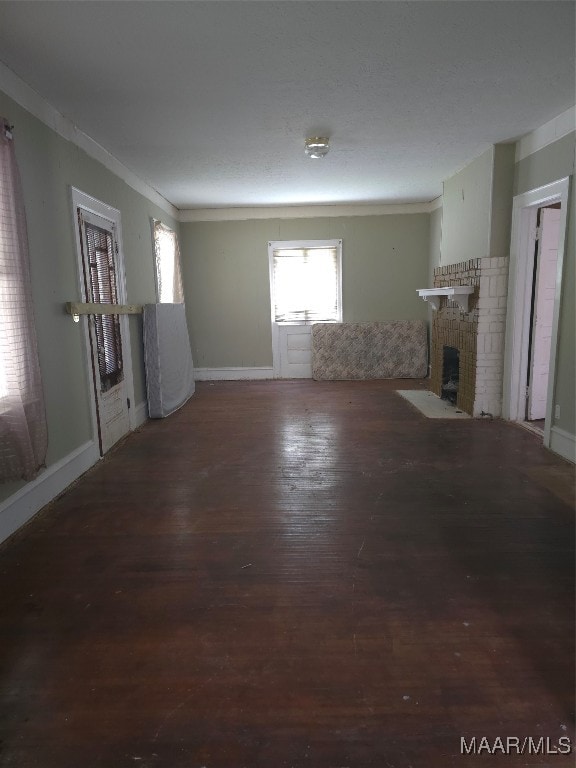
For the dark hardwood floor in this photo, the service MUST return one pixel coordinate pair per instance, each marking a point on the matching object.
(300, 575)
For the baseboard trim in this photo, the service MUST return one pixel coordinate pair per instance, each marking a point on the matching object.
(25, 503)
(140, 414)
(232, 374)
(563, 443)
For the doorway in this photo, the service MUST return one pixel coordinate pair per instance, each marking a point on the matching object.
(305, 288)
(107, 341)
(542, 313)
(534, 290)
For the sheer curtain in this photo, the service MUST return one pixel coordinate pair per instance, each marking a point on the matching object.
(23, 433)
(168, 270)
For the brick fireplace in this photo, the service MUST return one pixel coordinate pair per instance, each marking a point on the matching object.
(478, 334)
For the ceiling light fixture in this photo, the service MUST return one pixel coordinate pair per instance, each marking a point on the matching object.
(317, 146)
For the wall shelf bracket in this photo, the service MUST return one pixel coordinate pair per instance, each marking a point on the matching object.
(458, 293)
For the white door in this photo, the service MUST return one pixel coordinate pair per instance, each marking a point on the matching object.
(292, 351)
(305, 288)
(99, 246)
(545, 290)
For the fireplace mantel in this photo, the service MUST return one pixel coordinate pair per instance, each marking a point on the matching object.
(458, 293)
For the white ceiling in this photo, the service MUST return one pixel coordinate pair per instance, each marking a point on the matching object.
(210, 102)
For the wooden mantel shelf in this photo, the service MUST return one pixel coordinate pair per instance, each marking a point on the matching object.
(458, 293)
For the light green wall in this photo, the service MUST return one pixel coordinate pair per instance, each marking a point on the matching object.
(435, 243)
(476, 222)
(49, 165)
(225, 275)
(551, 163)
(501, 202)
(477, 204)
(565, 388)
(226, 278)
(466, 205)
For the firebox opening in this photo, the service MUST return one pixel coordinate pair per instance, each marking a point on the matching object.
(450, 374)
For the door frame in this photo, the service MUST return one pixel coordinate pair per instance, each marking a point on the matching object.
(535, 358)
(520, 278)
(272, 244)
(79, 199)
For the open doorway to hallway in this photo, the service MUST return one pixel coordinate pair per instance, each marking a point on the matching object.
(534, 291)
(542, 314)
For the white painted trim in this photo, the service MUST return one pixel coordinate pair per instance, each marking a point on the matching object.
(232, 374)
(276, 357)
(563, 443)
(548, 133)
(305, 211)
(140, 414)
(25, 503)
(524, 211)
(14, 87)
(272, 246)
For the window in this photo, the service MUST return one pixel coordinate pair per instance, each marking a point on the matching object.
(167, 260)
(306, 281)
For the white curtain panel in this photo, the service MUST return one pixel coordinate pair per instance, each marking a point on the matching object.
(168, 268)
(23, 433)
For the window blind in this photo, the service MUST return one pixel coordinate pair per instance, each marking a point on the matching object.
(306, 284)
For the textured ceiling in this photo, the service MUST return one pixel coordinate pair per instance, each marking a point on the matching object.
(210, 102)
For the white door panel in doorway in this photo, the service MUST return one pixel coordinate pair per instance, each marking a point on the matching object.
(294, 345)
(543, 316)
(305, 288)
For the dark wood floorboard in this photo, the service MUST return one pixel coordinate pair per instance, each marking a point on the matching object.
(299, 574)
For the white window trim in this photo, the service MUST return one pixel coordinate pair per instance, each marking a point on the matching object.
(278, 244)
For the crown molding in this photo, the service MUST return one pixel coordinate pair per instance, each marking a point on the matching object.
(554, 129)
(305, 211)
(14, 87)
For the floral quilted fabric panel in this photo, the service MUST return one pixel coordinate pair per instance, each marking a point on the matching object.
(387, 350)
